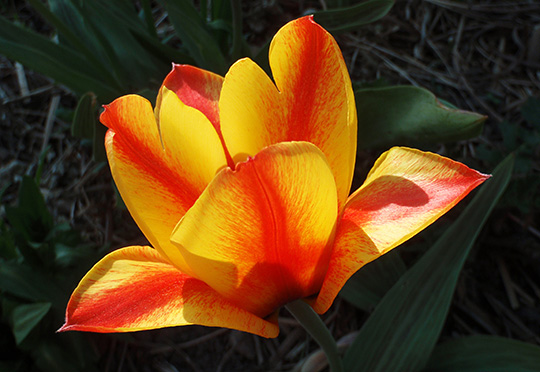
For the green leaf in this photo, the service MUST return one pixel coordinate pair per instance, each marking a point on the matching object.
(26, 317)
(30, 217)
(405, 115)
(8, 249)
(353, 17)
(32, 202)
(68, 256)
(109, 28)
(85, 125)
(165, 52)
(191, 29)
(10, 32)
(484, 354)
(56, 61)
(402, 331)
(148, 18)
(49, 62)
(71, 26)
(368, 286)
(84, 119)
(531, 111)
(30, 284)
(111, 24)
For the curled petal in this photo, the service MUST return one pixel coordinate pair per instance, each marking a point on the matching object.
(260, 235)
(406, 191)
(196, 88)
(199, 89)
(134, 288)
(312, 100)
(160, 181)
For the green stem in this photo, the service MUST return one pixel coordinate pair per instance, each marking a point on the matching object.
(314, 325)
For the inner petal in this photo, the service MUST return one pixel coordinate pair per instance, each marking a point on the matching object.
(261, 235)
(312, 100)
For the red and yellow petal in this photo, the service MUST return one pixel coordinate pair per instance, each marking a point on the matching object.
(199, 89)
(313, 100)
(260, 235)
(190, 140)
(251, 111)
(406, 191)
(134, 288)
(196, 88)
(159, 180)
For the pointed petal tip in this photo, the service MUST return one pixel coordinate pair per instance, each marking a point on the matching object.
(67, 327)
(309, 20)
(378, 229)
(106, 107)
(64, 328)
(178, 66)
(480, 178)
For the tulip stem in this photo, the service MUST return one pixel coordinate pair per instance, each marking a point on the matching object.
(314, 325)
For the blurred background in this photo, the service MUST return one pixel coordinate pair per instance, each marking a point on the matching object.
(60, 60)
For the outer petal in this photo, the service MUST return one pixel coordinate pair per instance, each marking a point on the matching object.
(134, 288)
(406, 191)
(313, 101)
(260, 235)
(160, 181)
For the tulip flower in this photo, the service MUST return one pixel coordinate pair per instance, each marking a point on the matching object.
(241, 185)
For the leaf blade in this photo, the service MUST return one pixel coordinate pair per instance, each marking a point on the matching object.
(366, 288)
(407, 115)
(353, 17)
(58, 69)
(481, 353)
(26, 317)
(191, 29)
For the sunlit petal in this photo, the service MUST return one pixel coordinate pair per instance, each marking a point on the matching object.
(260, 235)
(159, 184)
(313, 100)
(191, 139)
(196, 88)
(134, 288)
(406, 191)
